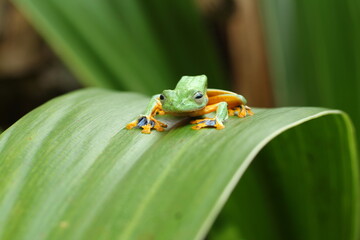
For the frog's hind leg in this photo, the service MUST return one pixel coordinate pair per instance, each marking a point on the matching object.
(216, 122)
(236, 103)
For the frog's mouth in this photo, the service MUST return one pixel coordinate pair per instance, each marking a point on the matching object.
(181, 110)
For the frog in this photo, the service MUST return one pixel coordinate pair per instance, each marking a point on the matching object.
(191, 98)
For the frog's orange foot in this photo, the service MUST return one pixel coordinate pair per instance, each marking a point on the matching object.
(147, 123)
(248, 110)
(241, 111)
(207, 122)
(231, 112)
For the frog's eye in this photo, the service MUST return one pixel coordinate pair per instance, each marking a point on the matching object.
(162, 97)
(198, 96)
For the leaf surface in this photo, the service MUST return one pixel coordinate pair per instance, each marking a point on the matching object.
(69, 170)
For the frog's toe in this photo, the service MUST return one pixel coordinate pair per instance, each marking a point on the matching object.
(207, 122)
(248, 111)
(132, 124)
(245, 110)
(159, 126)
(146, 129)
(160, 112)
(242, 111)
(231, 112)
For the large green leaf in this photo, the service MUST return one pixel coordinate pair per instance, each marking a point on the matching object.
(143, 46)
(69, 170)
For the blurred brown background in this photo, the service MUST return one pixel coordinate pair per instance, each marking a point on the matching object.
(31, 74)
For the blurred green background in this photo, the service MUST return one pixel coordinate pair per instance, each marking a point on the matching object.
(275, 52)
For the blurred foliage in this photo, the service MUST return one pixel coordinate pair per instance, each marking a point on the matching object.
(143, 46)
(315, 53)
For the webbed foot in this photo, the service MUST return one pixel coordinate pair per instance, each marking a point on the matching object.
(207, 122)
(240, 111)
(147, 123)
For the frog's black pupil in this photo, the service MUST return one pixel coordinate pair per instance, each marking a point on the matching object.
(162, 97)
(198, 96)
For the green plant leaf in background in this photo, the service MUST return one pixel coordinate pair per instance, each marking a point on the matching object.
(69, 170)
(143, 46)
(315, 53)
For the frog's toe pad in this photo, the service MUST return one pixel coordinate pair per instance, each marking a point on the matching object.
(131, 125)
(207, 122)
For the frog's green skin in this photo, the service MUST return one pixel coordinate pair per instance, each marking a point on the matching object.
(192, 98)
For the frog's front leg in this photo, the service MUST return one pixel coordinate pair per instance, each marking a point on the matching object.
(217, 122)
(147, 121)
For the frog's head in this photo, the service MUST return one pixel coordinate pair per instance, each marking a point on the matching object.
(188, 96)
